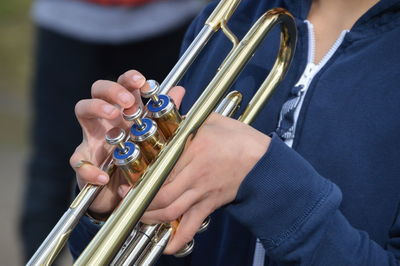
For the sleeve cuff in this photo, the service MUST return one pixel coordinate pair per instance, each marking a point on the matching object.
(283, 198)
(83, 233)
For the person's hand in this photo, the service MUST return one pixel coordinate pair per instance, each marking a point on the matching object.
(206, 177)
(96, 116)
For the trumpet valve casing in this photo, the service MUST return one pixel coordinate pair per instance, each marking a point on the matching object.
(130, 161)
(148, 137)
(165, 113)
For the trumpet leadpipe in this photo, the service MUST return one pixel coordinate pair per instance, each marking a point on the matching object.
(56, 239)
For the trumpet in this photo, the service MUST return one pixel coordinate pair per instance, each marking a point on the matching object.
(123, 228)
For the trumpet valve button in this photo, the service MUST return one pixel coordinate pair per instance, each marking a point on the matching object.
(147, 125)
(124, 157)
(115, 136)
(186, 250)
(134, 114)
(150, 90)
(155, 108)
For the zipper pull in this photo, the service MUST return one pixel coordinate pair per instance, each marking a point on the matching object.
(307, 76)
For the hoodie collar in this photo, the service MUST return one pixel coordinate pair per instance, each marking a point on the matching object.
(384, 14)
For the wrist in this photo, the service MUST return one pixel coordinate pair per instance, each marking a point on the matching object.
(259, 146)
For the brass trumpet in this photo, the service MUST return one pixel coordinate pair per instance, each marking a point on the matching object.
(119, 226)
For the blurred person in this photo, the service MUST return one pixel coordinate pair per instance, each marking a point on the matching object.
(78, 42)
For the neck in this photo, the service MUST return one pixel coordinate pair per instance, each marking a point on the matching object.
(344, 13)
(330, 17)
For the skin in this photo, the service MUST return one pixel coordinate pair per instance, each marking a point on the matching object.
(212, 167)
(328, 24)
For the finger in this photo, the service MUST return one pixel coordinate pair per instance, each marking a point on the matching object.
(188, 227)
(113, 93)
(123, 190)
(87, 172)
(95, 108)
(176, 94)
(132, 80)
(173, 211)
(172, 190)
(186, 158)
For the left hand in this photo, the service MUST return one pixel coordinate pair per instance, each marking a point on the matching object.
(206, 177)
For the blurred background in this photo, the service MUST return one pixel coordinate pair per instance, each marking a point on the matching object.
(48, 62)
(15, 74)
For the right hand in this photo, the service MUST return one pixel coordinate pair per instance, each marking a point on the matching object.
(96, 116)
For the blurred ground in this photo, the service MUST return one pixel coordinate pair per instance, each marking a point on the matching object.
(15, 69)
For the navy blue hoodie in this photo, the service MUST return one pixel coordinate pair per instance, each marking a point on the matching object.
(334, 198)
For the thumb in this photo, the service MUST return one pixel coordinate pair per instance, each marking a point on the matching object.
(177, 93)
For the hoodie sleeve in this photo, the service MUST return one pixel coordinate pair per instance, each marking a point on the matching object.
(81, 236)
(301, 221)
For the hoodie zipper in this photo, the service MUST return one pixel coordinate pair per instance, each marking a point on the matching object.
(305, 80)
(312, 69)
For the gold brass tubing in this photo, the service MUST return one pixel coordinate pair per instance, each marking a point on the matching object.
(229, 34)
(119, 225)
(281, 65)
(222, 12)
(230, 104)
(134, 169)
(169, 122)
(152, 145)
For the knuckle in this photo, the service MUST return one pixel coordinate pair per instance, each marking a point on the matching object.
(78, 107)
(91, 106)
(73, 160)
(123, 77)
(169, 216)
(209, 207)
(95, 86)
(187, 237)
(120, 77)
(126, 77)
(131, 72)
(172, 213)
(163, 198)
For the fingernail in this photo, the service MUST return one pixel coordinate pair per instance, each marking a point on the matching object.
(137, 77)
(108, 109)
(102, 179)
(125, 97)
